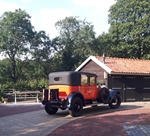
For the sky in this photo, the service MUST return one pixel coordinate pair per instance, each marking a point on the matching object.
(45, 13)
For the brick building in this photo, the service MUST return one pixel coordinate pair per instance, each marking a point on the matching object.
(131, 77)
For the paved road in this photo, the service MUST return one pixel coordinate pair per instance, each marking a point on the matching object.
(38, 123)
(131, 119)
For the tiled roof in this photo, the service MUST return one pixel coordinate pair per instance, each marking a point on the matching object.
(123, 65)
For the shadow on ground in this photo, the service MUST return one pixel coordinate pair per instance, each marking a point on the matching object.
(6, 110)
(106, 109)
(11, 109)
(111, 123)
(101, 109)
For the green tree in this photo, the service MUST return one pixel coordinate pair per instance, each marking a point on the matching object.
(103, 45)
(16, 33)
(42, 52)
(41, 48)
(130, 28)
(5, 71)
(76, 40)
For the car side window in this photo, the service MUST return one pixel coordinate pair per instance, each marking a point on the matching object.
(84, 80)
(92, 80)
(57, 79)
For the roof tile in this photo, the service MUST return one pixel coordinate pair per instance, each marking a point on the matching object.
(125, 65)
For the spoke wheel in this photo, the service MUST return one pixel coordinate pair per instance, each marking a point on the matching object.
(76, 107)
(115, 103)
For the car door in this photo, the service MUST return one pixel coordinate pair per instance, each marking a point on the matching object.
(92, 89)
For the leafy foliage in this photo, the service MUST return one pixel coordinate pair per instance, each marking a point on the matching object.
(16, 33)
(41, 48)
(31, 55)
(103, 45)
(130, 28)
(76, 40)
(25, 50)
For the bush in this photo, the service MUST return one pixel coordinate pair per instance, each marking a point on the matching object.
(24, 84)
(1, 96)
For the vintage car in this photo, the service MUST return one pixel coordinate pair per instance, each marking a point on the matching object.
(73, 90)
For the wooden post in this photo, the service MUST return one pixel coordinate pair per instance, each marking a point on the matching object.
(37, 97)
(15, 98)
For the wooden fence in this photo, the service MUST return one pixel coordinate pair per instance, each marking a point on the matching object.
(26, 95)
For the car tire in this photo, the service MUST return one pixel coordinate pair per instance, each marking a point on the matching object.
(76, 107)
(115, 103)
(50, 110)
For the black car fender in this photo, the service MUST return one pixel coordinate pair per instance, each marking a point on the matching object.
(73, 95)
(112, 93)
